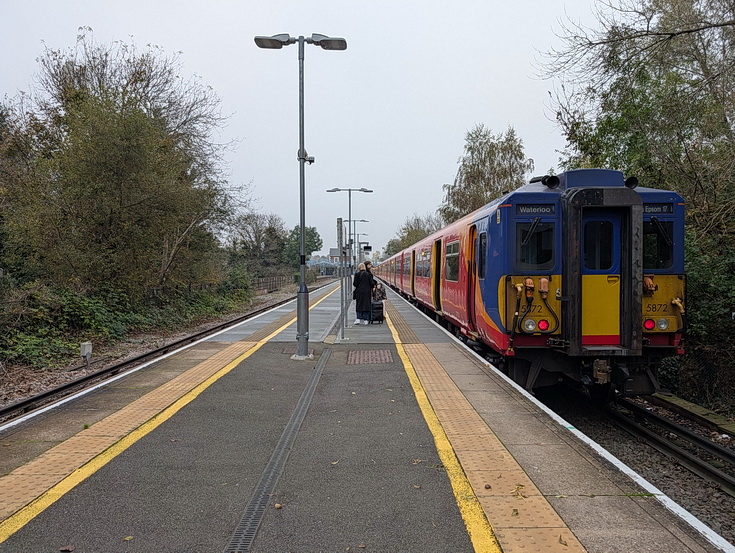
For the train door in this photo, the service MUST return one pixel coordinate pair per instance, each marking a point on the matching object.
(413, 273)
(601, 277)
(602, 271)
(436, 268)
(472, 277)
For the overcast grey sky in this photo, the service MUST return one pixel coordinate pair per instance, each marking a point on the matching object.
(390, 113)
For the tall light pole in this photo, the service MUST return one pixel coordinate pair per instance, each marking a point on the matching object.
(349, 210)
(357, 237)
(360, 253)
(302, 297)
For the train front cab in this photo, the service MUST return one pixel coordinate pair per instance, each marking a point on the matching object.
(619, 297)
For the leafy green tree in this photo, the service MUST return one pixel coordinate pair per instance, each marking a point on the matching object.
(414, 228)
(650, 93)
(291, 251)
(111, 179)
(392, 247)
(491, 166)
(259, 239)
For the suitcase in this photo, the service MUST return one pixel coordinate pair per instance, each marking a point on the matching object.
(376, 312)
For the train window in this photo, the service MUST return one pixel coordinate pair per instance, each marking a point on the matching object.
(422, 264)
(598, 245)
(658, 247)
(427, 263)
(534, 246)
(452, 261)
(482, 255)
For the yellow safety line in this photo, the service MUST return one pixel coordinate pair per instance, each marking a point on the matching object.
(20, 518)
(479, 529)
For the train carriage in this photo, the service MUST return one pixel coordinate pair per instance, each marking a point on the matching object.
(577, 276)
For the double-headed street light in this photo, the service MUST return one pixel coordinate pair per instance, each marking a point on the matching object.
(302, 298)
(349, 212)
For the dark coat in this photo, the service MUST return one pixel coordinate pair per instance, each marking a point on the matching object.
(363, 282)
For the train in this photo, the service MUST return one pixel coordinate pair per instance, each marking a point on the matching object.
(576, 277)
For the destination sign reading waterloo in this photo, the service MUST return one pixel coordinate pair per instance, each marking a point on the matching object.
(535, 209)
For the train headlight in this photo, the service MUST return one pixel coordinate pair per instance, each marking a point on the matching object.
(649, 324)
(529, 325)
(662, 324)
(543, 325)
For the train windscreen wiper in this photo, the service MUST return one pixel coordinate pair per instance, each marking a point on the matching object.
(662, 231)
(535, 223)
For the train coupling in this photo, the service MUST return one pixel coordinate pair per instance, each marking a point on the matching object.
(601, 371)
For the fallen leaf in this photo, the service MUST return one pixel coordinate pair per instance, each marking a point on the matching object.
(518, 493)
(68, 548)
(362, 546)
(278, 506)
(354, 393)
(128, 538)
(417, 487)
(488, 487)
(336, 462)
(417, 461)
(514, 513)
(561, 541)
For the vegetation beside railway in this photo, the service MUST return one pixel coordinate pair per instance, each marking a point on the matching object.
(115, 212)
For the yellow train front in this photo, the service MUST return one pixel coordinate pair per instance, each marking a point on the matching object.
(578, 276)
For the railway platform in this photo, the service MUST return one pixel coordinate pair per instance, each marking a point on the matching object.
(394, 438)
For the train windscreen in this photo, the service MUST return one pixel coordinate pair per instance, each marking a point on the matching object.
(534, 246)
(658, 247)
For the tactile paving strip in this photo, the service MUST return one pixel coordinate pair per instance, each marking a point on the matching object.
(369, 356)
(405, 333)
(521, 518)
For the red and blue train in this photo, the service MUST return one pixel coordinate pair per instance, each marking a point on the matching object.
(575, 276)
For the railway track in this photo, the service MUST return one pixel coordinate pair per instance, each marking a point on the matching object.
(27, 405)
(689, 449)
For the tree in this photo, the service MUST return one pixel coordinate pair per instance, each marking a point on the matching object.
(292, 250)
(651, 93)
(414, 228)
(110, 175)
(260, 239)
(490, 167)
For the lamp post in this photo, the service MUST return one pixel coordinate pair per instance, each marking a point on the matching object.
(360, 254)
(357, 236)
(302, 297)
(349, 214)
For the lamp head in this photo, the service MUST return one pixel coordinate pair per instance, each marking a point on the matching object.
(274, 42)
(329, 43)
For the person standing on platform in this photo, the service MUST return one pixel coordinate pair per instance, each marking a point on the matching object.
(379, 293)
(363, 282)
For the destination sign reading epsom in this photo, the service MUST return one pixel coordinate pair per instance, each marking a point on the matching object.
(654, 209)
(535, 209)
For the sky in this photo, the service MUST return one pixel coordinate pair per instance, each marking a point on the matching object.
(389, 114)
